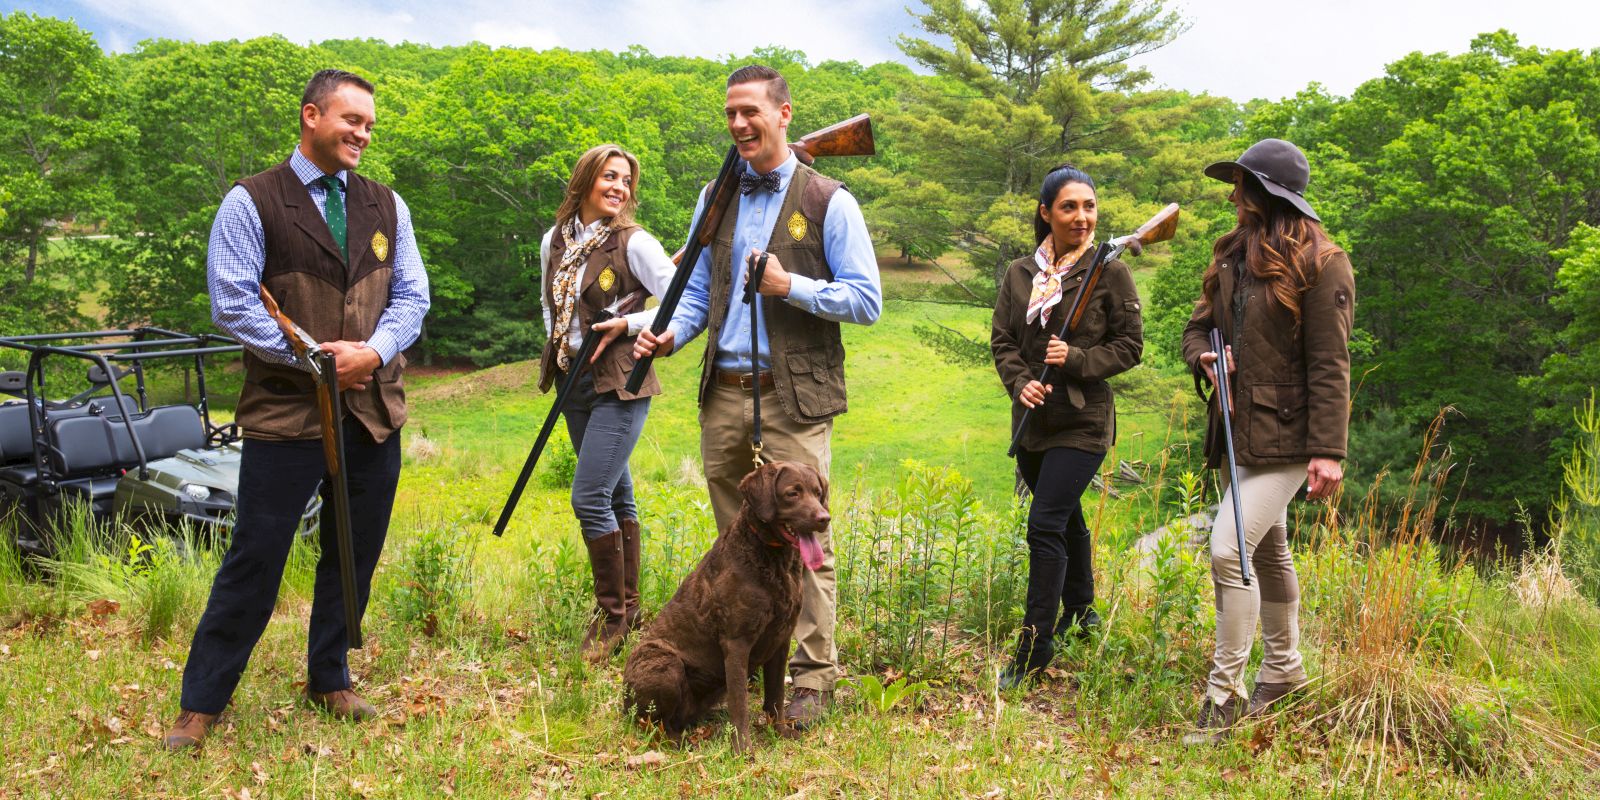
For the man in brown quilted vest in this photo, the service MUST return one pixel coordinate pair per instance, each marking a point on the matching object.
(821, 271)
(337, 252)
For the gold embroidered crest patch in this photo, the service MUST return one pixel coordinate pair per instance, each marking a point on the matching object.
(797, 226)
(606, 279)
(380, 245)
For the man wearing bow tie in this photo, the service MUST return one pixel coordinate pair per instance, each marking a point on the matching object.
(821, 270)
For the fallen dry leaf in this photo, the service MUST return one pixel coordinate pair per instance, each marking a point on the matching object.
(258, 774)
(241, 793)
(100, 609)
(652, 758)
(94, 655)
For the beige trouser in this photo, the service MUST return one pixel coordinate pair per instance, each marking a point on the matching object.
(1274, 591)
(725, 422)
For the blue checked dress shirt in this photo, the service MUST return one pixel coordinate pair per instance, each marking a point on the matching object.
(238, 253)
(854, 294)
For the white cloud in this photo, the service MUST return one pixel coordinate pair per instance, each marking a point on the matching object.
(514, 34)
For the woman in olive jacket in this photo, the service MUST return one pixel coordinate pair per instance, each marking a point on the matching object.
(1283, 296)
(1074, 419)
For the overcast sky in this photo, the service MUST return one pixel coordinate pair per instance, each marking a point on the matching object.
(1236, 48)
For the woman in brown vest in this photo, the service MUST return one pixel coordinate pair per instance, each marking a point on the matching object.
(1283, 296)
(1074, 419)
(597, 258)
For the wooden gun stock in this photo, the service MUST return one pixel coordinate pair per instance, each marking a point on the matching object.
(1159, 228)
(853, 137)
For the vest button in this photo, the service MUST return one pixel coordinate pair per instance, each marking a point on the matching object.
(349, 301)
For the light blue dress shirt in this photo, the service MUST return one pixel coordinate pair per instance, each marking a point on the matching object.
(238, 253)
(854, 294)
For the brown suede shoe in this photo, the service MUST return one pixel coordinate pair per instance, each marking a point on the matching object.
(1265, 695)
(343, 704)
(189, 731)
(1215, 722)
(806, 707)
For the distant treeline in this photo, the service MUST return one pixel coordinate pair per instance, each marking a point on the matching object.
(1464, 186)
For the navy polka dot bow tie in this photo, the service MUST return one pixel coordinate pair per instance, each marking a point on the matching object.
(767, 183)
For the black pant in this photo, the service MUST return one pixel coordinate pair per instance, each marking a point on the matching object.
(1060, 550)
(276, 480)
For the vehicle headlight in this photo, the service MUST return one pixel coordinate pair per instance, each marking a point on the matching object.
(195, 492)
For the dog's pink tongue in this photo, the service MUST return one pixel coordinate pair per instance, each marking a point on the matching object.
(810, 551)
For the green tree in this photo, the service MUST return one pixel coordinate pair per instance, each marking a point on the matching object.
(207, 115)
(1572, 370)
(1457, 183)
(57, 131)
(483, 156)
(1021, 86)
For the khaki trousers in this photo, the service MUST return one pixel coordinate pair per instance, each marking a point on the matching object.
(1273, 595)
(725, 423)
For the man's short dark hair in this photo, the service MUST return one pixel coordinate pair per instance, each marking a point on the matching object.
(328, 81)
(777, 87)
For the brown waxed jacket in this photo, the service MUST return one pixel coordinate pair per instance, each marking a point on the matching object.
(1079, 412)
(1291, 387)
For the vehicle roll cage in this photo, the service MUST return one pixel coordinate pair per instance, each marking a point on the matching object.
(146, 344)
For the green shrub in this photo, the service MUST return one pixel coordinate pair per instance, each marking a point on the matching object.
(435, 578)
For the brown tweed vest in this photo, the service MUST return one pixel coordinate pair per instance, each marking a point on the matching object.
(616, 363)
(807, 351)
(331, 300)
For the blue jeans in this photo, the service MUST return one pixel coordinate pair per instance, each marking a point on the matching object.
(604, 429)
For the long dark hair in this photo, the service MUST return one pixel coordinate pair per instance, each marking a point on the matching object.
(1284, 248)
(1053, 181)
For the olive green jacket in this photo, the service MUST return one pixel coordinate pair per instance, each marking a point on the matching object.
(1291, 389)
(1079, 412)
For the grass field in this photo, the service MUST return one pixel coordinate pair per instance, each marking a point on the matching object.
(1433, 679)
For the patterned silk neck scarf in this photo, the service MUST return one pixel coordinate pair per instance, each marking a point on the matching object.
(564, 287)
(1047, 284)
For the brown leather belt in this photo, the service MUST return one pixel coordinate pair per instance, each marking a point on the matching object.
(728, 377)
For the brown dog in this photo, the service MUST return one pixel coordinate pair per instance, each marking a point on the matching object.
(735, 612)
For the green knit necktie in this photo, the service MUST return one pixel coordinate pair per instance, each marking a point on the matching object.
(333, 208)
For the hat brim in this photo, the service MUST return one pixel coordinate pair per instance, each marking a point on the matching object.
(1223, 171)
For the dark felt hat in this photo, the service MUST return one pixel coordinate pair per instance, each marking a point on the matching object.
(1279, 165)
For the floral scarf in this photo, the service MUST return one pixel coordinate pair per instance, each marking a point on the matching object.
(1047, 284)
(564, 288)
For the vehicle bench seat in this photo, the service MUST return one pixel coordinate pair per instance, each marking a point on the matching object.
(85, 445)
(16, 443)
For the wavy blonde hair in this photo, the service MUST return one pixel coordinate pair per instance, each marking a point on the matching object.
(584, 175)
(1285, 249)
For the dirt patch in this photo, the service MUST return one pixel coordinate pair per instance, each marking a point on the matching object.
(505, 377)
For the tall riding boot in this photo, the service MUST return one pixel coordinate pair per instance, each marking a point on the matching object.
(1078, 616)
(1035, 645)
(630, 573)
(608, 627)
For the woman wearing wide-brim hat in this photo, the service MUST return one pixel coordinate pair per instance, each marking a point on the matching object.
(1283, 296)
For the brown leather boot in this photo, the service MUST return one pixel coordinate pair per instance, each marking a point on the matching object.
(609, 625)
(1266, 695)
(343, 704)
(630, 573)
(806, 707)
(189, 731)
(1215, 722)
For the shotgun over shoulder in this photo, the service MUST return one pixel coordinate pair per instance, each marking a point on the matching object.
(853, 137)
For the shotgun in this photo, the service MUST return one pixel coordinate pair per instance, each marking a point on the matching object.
(853, 137)
(578, 362)
(1224, 397)
(1158, 228)
(322, 366)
